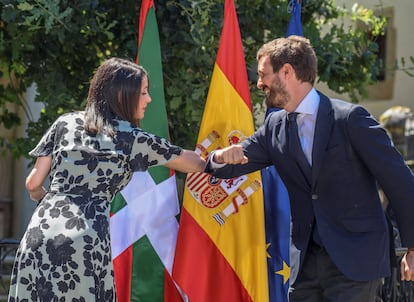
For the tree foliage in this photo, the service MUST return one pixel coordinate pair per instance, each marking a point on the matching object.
(57, 44)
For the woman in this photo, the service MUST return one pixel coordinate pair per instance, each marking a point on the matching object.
(89, 156)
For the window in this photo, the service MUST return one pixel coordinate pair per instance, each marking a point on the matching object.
(384, 88)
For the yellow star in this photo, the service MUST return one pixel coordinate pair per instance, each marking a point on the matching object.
(285, 272)
(267, 254)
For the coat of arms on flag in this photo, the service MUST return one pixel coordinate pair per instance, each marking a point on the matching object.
(213, 192)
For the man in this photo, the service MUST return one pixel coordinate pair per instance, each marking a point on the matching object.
(395, 120)
(338, 225)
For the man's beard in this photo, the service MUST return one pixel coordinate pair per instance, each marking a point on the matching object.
(278, 96)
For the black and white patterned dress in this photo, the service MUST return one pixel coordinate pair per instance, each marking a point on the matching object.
(65, 253)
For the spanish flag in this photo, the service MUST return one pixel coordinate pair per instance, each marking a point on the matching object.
(143, 223)
(221, 248)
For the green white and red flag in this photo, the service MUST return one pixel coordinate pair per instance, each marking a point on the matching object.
(143, 215)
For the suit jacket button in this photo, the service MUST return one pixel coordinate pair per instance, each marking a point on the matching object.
(315, 196)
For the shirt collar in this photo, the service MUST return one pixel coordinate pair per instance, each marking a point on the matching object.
(310, 103)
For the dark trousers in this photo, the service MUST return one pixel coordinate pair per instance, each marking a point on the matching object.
(319, 280)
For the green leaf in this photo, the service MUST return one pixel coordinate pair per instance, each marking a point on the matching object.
(25, 6)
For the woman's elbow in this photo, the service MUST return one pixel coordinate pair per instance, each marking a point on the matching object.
(32, 185)
(38, 174)
(33, 182)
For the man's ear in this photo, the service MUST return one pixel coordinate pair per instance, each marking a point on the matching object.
(287, 71)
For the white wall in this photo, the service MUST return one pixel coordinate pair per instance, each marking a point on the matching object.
(23, 206)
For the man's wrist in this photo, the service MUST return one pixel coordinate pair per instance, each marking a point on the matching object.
(216, 159)
(214, 164)
(410, 249)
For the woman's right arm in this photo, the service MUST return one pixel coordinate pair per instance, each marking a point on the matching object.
(34, 182)
(187, 162)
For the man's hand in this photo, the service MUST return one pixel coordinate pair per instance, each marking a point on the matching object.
(230, 155)
(407, 266)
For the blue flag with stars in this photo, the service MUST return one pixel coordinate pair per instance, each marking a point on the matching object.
(276, 204)
(277, 223)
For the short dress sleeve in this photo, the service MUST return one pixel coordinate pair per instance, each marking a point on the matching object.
(47, 142)
(149, 150)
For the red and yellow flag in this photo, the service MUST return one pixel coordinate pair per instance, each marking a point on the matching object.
(221, 249)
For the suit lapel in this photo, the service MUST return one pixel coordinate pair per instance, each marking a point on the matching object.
(323, 127)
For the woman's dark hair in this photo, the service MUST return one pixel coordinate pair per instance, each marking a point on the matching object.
(113, 93)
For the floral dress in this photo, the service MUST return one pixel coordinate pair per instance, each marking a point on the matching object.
(65, 253)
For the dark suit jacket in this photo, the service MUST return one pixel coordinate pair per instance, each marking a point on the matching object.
(351, 152)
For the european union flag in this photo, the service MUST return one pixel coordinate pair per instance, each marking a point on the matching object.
(277, 224)
(295, 25)
(276, 204)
